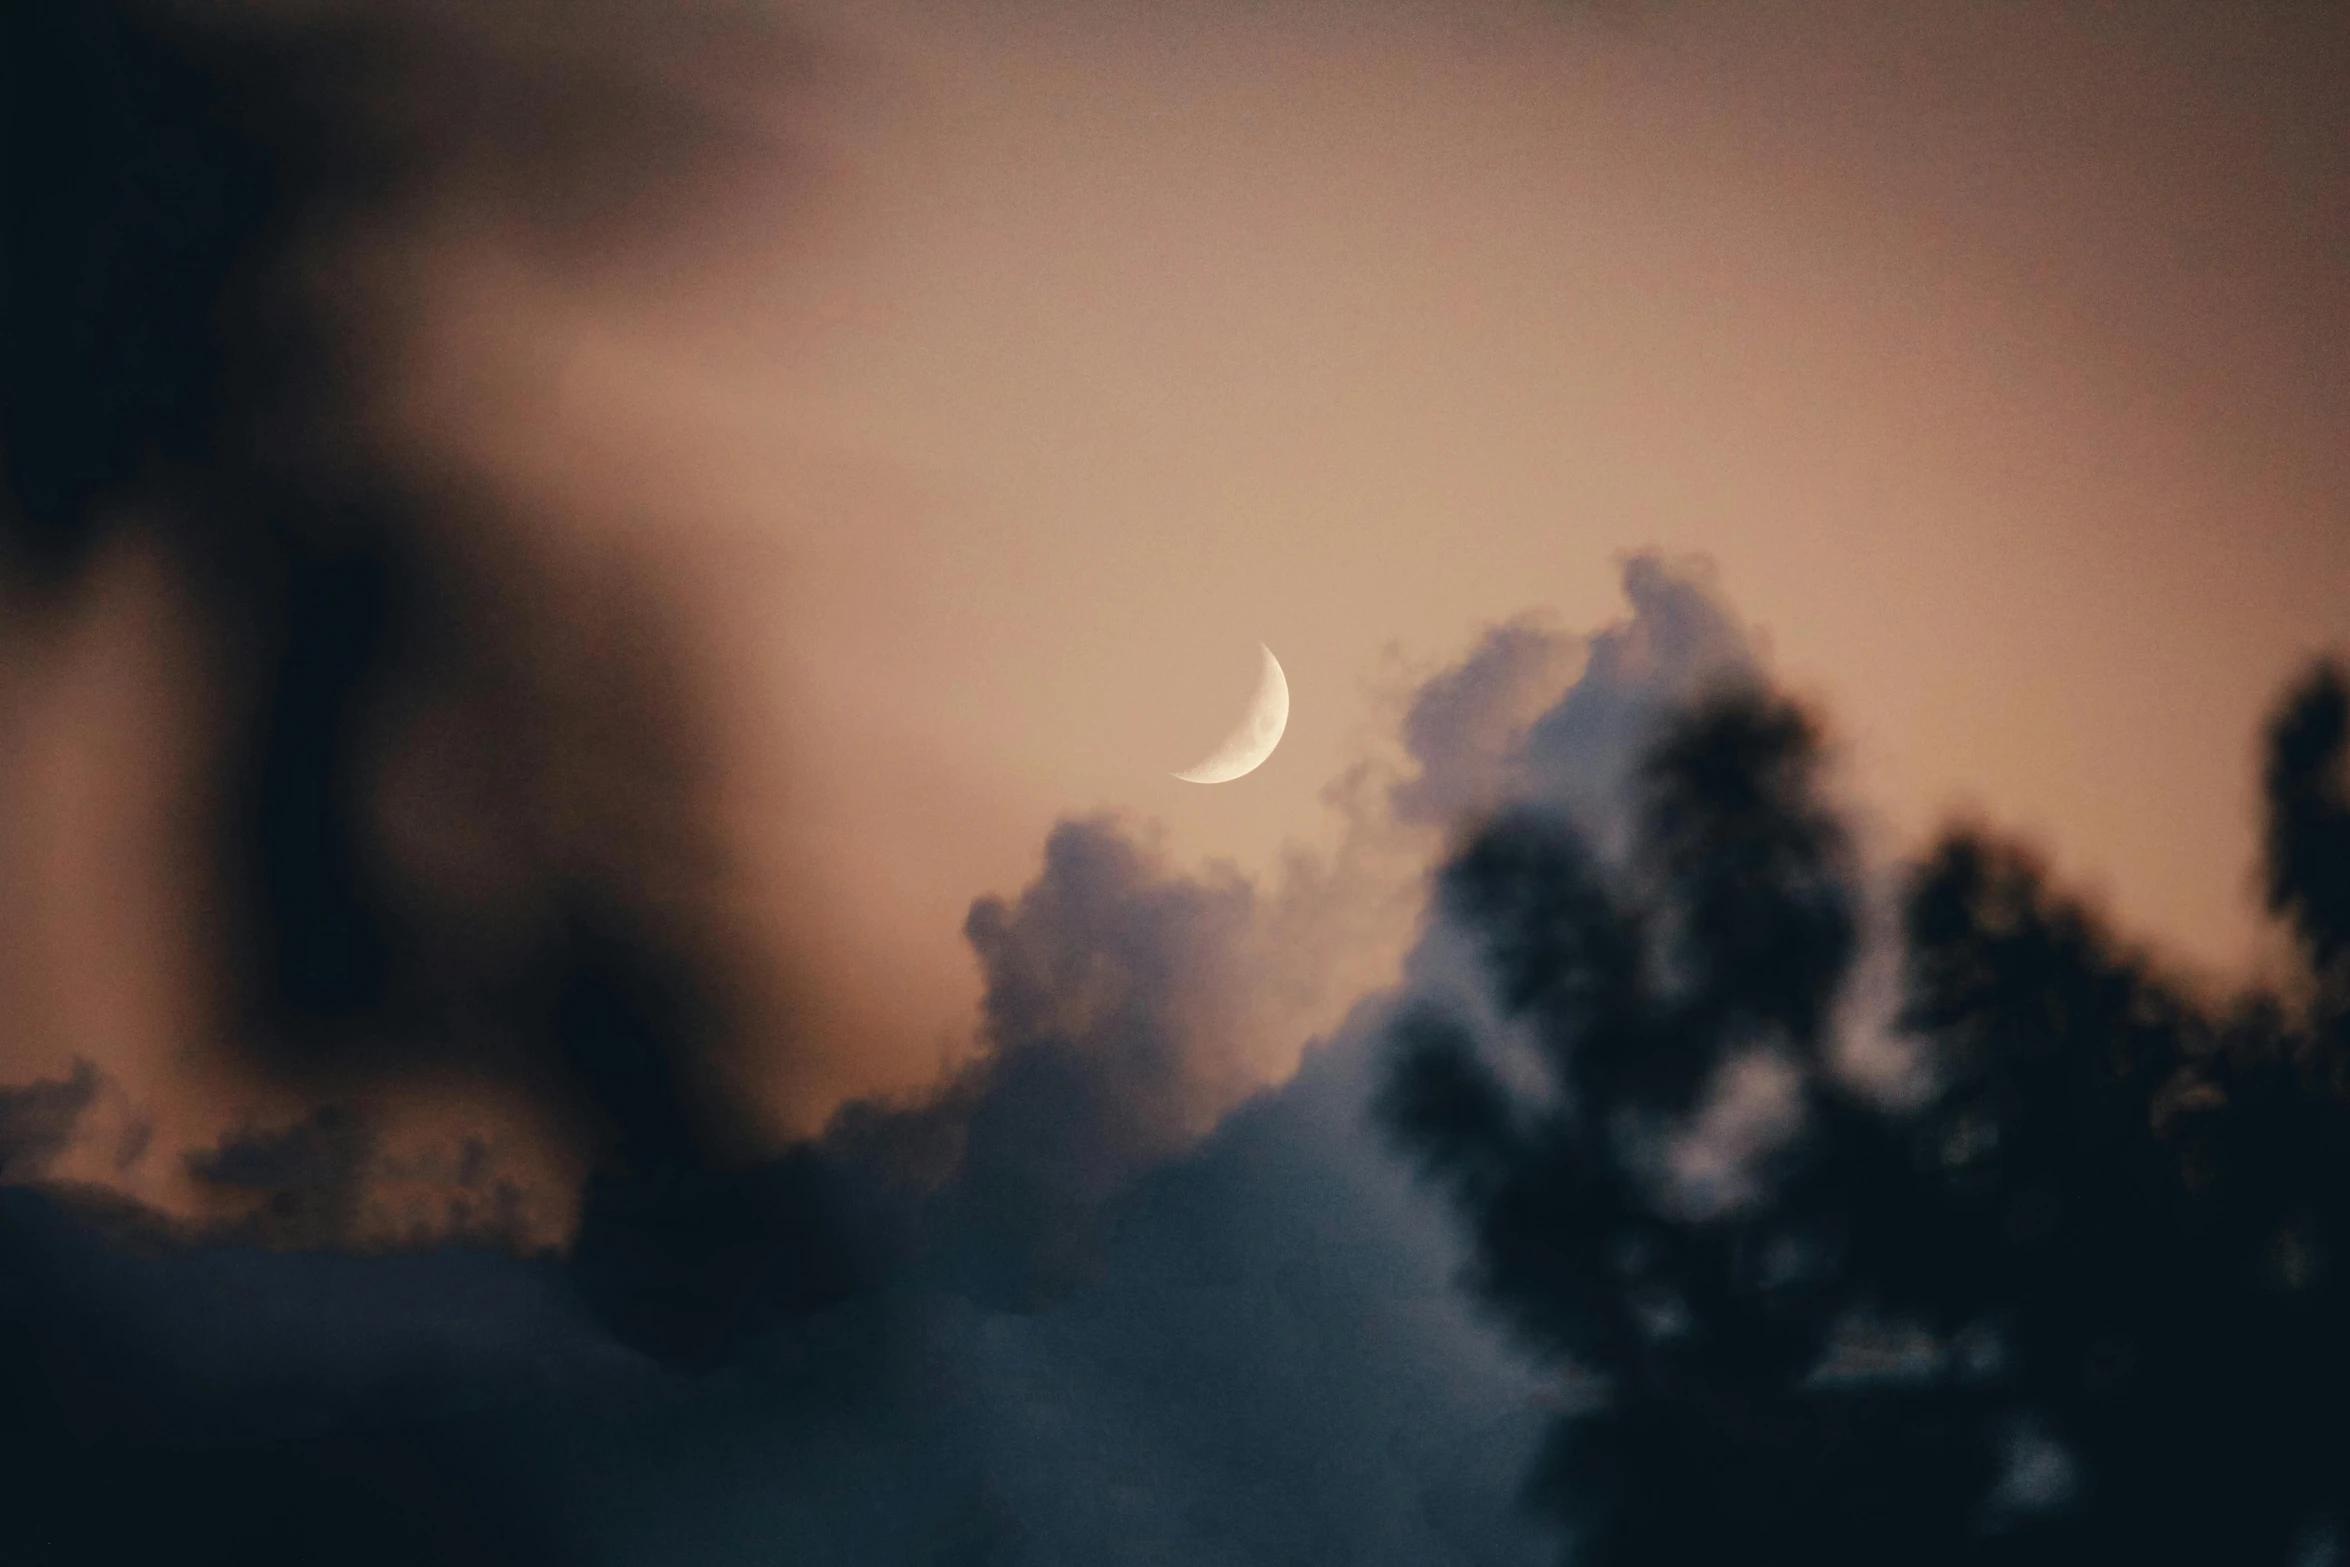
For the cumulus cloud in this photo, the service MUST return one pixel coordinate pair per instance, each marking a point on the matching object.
(1573, 760)
(1268, 1365)
(1680, 641)
(1274, 1363)
(1122, 1277)
(1465, 728)
(1244, 1348)
(460, 838)
(1112, 1031)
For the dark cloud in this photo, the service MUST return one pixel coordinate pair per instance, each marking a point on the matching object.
(455, 819)
(1111, 1037)
(1274, 1366)
(1031, 1316)
(2078, 1301)
(1264, 1362)
(220, 1403)
(1069, 1326)
(309, 1179)
(38, 1121)
(330, 1181)
(1062, 1306)
(1109, 1340)
(1073, 1305)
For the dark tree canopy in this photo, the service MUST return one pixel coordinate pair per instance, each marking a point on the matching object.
(2077, 1299)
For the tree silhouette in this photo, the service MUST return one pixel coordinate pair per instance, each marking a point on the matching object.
(2078, 1294)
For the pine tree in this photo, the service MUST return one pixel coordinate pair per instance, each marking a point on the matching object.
(2078, 1297)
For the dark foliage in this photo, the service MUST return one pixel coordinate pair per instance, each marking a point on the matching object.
(2080, 1299)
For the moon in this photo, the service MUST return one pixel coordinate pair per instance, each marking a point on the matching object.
(1252, 740)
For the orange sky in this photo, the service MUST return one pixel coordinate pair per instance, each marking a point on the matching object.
(1998, 354)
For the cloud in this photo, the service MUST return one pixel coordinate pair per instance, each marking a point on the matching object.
(1571, 765)
(1108, 957)
(1466, 726)
(1264, 1362)
(1273, 1366)
(1534, 714)
(463, 835)
(160, 1400)
(1680, 642)
(1123, 1279)
(1114, 1031)
(462, 839)
(1103, 1311)
(38, 1121)
(310, 1177)
(1245, 1348)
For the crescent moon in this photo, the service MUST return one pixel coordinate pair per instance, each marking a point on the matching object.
(1259, 730)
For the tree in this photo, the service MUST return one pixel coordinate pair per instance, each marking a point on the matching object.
(2078, 1294)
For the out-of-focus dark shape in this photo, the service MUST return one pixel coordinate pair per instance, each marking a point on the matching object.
(171, 169)
(206, 209)
(2083, 1301)
(189, 345)
(2308, 791)
(216, 220)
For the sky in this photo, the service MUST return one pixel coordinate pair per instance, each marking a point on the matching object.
(778, 495)
(1993, 355)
